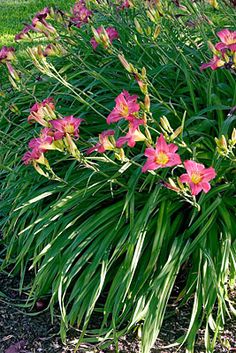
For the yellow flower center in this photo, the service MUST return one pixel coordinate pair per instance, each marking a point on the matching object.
(124, 109)
(162, 158)
(196, 178)
(69, 129)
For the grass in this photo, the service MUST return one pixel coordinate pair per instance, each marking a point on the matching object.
(14, 13)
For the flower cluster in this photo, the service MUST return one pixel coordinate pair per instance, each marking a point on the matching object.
(162, 156)
(81, 14)
(224, 52)
(57, 133)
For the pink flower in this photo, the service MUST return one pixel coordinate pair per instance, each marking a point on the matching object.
(24, 34)
(41, 144)
(104, 144)
(81, 14)
(124, 5)
(67, 125)
(197, 177)
(126, 107)
(31, 156)
(214, 64)
(42, 112)
(228, 40)
(106, 36)
(134, 135)
(163, 156)
(6, 54)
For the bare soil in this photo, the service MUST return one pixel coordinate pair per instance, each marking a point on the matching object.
(23, 333)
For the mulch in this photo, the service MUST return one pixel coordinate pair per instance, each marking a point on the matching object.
(23, 333)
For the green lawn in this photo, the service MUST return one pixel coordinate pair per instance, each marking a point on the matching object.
(13, 13)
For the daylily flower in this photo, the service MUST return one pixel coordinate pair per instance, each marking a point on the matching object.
(42, 15)
(6, 54)
(105, 36)
(163, 156)
(228, 40)
(125, 4)
(81, 14)
(104, 144)
(42, 112)
(30, 156)
(67, 125)
(214, 64)
(24, 34)
(197, 177)
(126, 107)
(42, 143)
(39, 23)
(134, 135)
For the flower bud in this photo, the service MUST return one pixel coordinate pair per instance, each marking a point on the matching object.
(233, 137)
(156, 32)
(125, 63)
(222, 143)
(138, 26)
(176, 133)
(165, 124)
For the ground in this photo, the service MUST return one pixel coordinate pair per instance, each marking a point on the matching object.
(27, 333)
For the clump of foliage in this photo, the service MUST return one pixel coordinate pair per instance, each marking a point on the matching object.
(127, 195)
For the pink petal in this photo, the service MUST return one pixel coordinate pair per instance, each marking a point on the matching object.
(149, 166)
(161, 144)
(174, 160)
(223, 35)
(172, 148)
(205, 186)
(150, 152)
(209, 174)
(184, 178)
(195, 188)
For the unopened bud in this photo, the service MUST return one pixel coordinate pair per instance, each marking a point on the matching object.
(147, 103)
(138, 26)
(212, 48)
(165, 124)
(125, 63)
(156, 32)
(233, 137)
(222, 143)
(176, 133)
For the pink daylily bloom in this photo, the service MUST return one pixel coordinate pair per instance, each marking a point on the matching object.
(6, 54)
(228, 40)
(197, 177)
(214, 64)
(134, 135)
(24, 34)
(125, 4)
(31, 156)
(126, 107)
(163, 156)
(42, 144)
(42, 112)
(104, 143)
(81, 14)
(41, 15)
(67, 125)
(111, 34)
